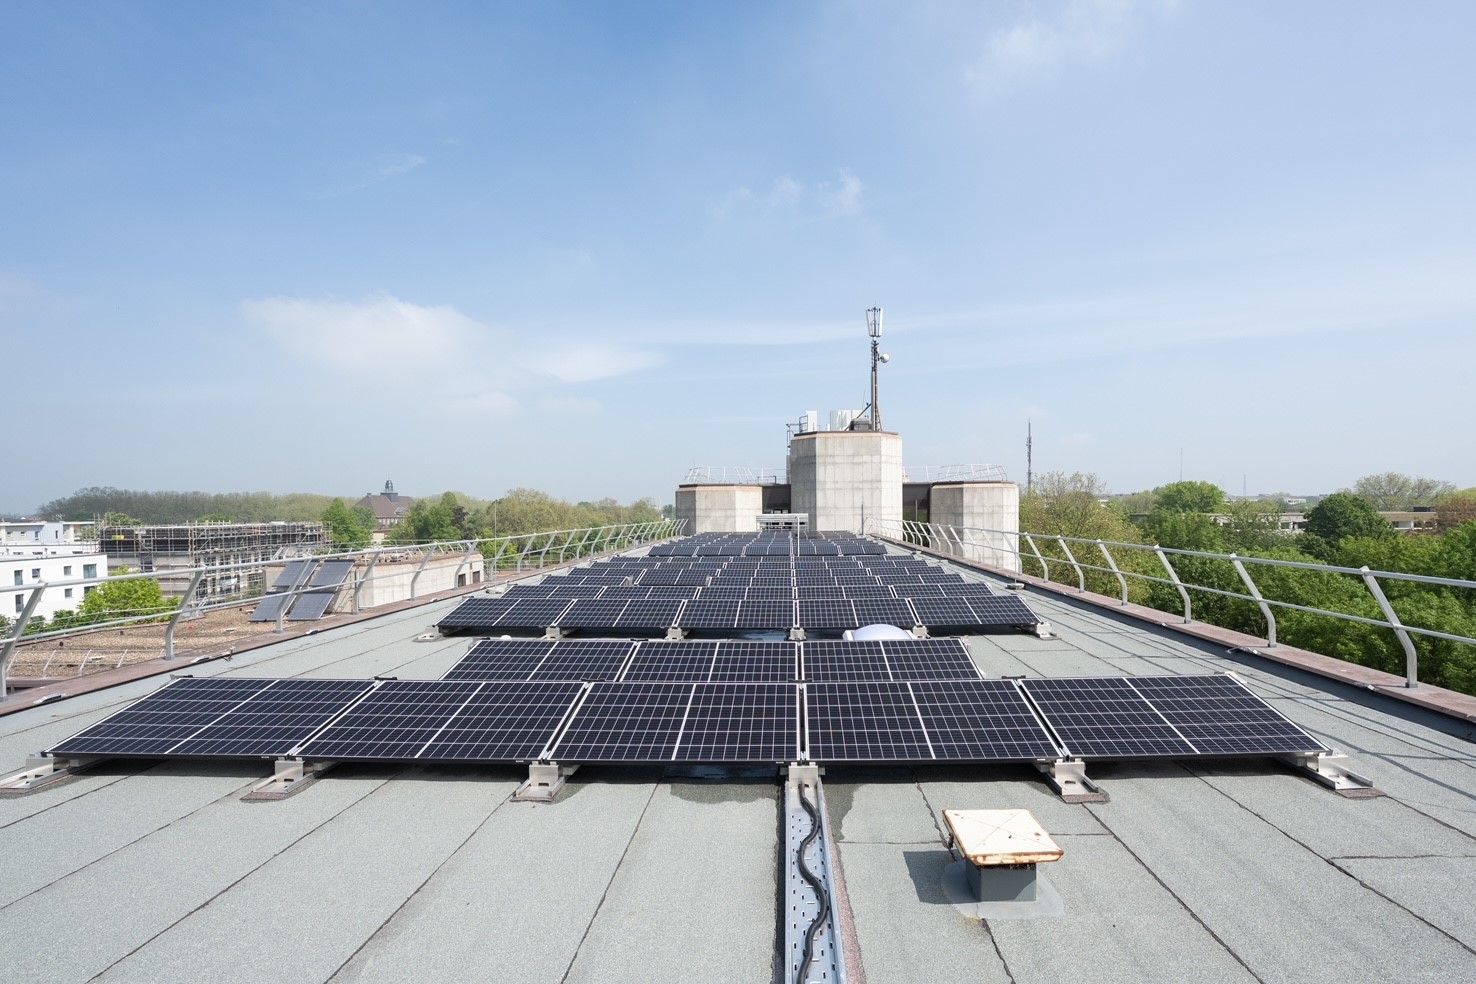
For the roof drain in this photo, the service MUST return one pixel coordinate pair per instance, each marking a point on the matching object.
(812, 949)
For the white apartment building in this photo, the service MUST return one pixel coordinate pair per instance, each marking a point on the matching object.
(22, 568)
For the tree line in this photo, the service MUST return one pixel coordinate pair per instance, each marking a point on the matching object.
(1343, 530)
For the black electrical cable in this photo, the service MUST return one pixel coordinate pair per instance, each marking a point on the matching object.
(820, 917)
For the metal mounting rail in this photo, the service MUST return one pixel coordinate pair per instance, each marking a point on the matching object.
(812, 944)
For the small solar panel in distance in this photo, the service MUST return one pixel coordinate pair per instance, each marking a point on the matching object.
(929, 659)
(981, 721)
(1104, 717)
(1219, 715)
(740, 722)
(163, 719)
(500, 659)
(275, 720)
(625, 722)
(269, 607)
(395, 721)
(592, 613)
(755, 662)
(671, 662)
(863, 722)
(481, 614)
(504, 722)
(1002, 610)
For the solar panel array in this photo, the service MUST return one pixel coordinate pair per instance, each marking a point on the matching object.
(727, 593)
(855, 720)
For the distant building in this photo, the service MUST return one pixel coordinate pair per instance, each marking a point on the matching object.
(22, 568)
(389, 508)
(170, 548)
(38, 532)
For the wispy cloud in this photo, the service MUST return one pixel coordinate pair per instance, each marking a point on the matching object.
(787, 196)
(1040, 45)
(376, 172)
(478, 367)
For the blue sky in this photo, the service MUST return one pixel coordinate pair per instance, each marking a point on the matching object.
(584, 247)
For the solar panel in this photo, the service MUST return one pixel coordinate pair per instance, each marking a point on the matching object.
(755, 662)
(704, 614)
(1104, 717)
(163, 719)
(625, 722)
(862, 722)
(752, 722)
(500, 659)
(395, 721)
(929, 659)
(311, 606)
(671, 662)
(830, 661)
(592, 613)
(765, 615)
(655, 613)
(268, 607)
(293, 574)
(275, 720)
(963, 613)
(477, 614)
(584, 659)
(827, 615)
(981, 720)
(878, 611)
(1219, 715)
(504, 722)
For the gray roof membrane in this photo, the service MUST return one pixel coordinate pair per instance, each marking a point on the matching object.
(1194, 870)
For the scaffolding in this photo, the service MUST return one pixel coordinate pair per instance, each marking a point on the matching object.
(164, 548)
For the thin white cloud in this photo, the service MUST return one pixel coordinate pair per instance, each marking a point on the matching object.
(380, 334)
(1043, 44)
(583, 362)
(787, 196)
(376, 172)
(570, 406)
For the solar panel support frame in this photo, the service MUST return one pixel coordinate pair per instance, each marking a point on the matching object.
(544, 781)
(1328, 769)
(1070, 780)
(288, 776)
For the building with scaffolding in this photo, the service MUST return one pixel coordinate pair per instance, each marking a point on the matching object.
(166, 548)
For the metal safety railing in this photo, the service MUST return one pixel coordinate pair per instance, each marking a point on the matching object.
(514, 556)
(1002, 549)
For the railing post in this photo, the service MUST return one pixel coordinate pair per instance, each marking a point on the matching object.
(1174, 576)
(365, 579)
(179, 613)
(1256, 594)
(1081, 584)
(1411, 658)
(8, 652)
(1045, 568)
(430, 551)
(1121, 581)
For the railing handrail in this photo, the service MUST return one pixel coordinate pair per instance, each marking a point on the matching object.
(1008, 541)
(538, 545)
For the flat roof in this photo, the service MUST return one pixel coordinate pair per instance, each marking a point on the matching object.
(1207, 870)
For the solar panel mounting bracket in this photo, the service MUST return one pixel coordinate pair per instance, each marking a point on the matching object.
(288, 776)
(1042, 630)
(544, 781)
(42, 770)
(1327, 769)
(1071, 782)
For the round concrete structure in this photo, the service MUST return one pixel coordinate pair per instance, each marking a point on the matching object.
(719, 508)
(971, 508)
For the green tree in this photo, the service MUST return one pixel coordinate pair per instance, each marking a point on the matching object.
(1338, 517)
(1199, 497)
(122, 599)
(348, 529)
(1394, 491)
(1071, 506)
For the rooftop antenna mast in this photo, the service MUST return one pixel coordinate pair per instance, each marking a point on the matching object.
(874, 329)
(1029, 461)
